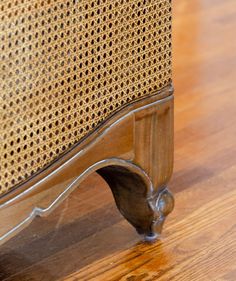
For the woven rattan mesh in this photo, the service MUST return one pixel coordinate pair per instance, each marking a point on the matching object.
(66, 65)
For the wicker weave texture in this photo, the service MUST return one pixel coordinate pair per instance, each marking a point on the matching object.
(66, 65)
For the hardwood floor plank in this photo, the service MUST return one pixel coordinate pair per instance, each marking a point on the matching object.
(181, 247)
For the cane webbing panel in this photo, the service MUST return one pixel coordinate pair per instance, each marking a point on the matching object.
(66, 65)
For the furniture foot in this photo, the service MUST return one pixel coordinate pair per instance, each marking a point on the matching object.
(135, 198)
(162, 206)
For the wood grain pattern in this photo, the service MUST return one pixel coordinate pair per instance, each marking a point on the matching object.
(199, 238)
(154, 143)
(143, 261)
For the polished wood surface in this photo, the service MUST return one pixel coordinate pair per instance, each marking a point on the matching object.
(124, 153)
(87, 239)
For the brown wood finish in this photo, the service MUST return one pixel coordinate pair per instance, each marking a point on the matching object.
(87, 239)
(142, 134)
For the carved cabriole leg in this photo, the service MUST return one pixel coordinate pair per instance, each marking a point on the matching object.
(154, 153)
(146, 204)
(144, 209)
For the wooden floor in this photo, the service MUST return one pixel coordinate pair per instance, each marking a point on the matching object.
(87, 239)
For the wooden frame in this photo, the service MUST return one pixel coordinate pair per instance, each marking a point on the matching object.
(132, 151)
